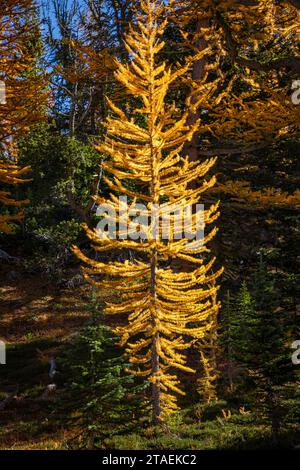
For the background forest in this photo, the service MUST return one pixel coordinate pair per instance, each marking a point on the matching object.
(92, 108)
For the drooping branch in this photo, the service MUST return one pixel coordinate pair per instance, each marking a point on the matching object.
(291, 63)
(231, 150)
(295, 3)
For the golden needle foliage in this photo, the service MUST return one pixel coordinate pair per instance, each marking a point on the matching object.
(208, 350)
(23, 96)
(10, 174)
(248, 101)
(162, 307)
(250, 104)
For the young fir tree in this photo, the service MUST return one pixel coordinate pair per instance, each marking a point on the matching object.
(259, 346)
(241, 323)
(22, 96)
(109, 399)
(236, 319)
(162, 307)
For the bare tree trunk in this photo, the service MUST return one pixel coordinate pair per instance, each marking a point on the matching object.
(122, 16)
(275, 415)
(73, 112)
(154, 191)
(156, 408)
(198, 74)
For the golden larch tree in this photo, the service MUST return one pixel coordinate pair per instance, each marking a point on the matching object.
(166, 310)
(250, 46)
(22, 95)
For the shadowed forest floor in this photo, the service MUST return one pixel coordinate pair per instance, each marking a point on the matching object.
(38, 319)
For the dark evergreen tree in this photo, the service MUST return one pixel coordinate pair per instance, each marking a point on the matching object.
(236, 324)
(109, 398)
(258, 343)
(269, 356)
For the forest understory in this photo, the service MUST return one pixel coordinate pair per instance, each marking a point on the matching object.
(38, 320)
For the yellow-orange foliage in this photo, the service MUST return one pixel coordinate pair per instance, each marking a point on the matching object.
(268, 197)
(23, 96)
(239, 30)
(208, 350)
(248, 102)
(165, 310)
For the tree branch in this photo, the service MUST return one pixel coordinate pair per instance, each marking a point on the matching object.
(231, 150)
(291, 63)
